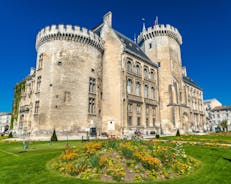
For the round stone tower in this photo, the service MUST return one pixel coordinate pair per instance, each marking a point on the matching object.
(68, 79)
(162, 43)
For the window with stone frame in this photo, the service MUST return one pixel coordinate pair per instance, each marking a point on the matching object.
(129, 120)
(152, 93)
(153, 122)
(39, 78)
(137, 69)
(138, 108)
(147, 109)
(129, 86)
(91, 106)
(40, 62)
(36, 107)
(138, 121)
(137, 88)
(129, 66)
(146, 91)
(147, 122)
(92, 85)
(153, 111)
(152, 75)
(145, 72)
(129, 107)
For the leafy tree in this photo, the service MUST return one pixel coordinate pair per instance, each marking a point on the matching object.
(54, 136)
(224, 124)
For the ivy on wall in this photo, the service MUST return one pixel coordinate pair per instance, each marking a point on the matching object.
(19, 88)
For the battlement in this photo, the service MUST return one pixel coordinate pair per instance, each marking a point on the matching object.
(68, 33)
(160, 30)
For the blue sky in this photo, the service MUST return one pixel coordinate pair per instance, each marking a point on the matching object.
(205, 27)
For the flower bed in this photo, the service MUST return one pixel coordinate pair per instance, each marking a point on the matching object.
(128, 161)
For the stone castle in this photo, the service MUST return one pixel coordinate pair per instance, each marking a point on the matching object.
(101, 82)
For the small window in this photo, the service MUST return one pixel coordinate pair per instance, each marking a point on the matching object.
(138, 121)
(91, 107)
(129, 86)
(129, 120)
(138, 108)
(92, 85)
(129, 107)
(36, 109)
(147, 122)
(150, 45)
(137, 88)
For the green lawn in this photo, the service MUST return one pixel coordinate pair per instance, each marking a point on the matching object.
(18, 166)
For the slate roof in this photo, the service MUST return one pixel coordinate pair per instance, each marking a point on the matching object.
(191, 82)
(132, 48)
(129, 46)
(221, 108)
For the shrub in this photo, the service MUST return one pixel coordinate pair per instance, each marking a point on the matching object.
(178, 132)
(157, 136)
(10, 135)
(54, 136)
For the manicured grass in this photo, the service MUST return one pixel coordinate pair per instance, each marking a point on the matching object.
(214, 137)
(19, 166)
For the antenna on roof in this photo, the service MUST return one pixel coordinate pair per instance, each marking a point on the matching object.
(143, 24)
(135, 38)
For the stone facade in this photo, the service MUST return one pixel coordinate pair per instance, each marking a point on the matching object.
(101, 81)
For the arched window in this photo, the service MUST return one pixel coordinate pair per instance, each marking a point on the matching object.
(145, 72)
(137, 88)
(137, 69)
(152, 75)
(129, 86)
(129, 66)
(152, 93)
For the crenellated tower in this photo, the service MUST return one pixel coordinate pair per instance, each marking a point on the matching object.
(68, 73)
(162, 44)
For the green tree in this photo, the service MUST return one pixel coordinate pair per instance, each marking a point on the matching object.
(224, 124)
(54, 136)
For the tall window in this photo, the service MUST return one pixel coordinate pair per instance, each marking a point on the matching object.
(40, 61)
(138, 121)
(129, 86)
(147, 122)
(145, 72)
(137, 88)
(152, 93)
(153, 111)
(91, 108)
(152, 75)
(153, 122)
(138, 108)
(38, 84)
(92, 85)
(146, 91)
(36, 107)
(147, 109)
(129, 107)
(129, 120)
(129, 66)
(137, 69)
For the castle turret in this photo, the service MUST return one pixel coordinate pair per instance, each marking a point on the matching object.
(162, 43)
(68, 73)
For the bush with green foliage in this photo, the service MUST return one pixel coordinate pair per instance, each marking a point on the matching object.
(54, 136)
(10, 135)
